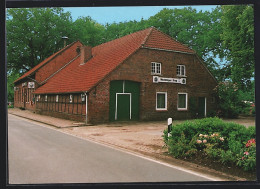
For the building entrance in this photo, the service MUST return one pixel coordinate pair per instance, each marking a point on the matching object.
(124, 100)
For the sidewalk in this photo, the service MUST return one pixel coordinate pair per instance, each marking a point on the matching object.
(52, 121)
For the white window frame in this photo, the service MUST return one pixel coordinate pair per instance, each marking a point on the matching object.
(57, 98)
(186, 108)
(71, 98)
(46, 98)
(155, 71)
(165, 98)
(179, 71)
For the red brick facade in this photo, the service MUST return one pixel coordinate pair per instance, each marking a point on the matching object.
(138, 68)
(111, 61)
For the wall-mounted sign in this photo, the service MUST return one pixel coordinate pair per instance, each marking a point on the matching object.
(31, 85)
(157, 79)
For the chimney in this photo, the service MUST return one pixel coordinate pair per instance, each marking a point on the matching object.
(86, 54)
(65, 38)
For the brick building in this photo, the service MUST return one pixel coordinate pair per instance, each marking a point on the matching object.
(146, 75)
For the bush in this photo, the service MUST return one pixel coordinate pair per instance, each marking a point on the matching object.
(247, 156)
(233, 101)
(218, 139)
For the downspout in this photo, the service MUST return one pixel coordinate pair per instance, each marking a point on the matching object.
(86, 96)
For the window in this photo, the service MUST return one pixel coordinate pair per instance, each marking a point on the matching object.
(46, 98)
(161, 101)
(37, 97)
(71, 98)
(182, 101)
(181, 70)
(155, 68)
(57, 98)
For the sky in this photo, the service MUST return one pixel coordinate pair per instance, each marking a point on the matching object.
(104, 15)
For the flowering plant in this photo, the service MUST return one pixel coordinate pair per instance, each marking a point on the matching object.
(247, 157)
(204, 140)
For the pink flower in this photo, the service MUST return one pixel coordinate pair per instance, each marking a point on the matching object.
(250, 142)
(246, 153)
(243, 158)
(221, 138)
(204, 141)
(199, 141)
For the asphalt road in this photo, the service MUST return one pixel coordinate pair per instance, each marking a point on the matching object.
(37, 154)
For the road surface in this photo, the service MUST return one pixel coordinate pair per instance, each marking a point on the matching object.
(38, 154)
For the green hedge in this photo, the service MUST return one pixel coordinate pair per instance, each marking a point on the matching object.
(222, 141)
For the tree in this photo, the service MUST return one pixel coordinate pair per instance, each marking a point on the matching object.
(88, 31)
(11, 77)
(238, 37)
(34, 34)
(117, 30)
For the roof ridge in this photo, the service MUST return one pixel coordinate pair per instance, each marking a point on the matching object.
(175, 39)
(147, 36)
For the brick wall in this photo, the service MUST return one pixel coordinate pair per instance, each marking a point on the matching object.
(23, 96)
(138, 68)
(75, 110)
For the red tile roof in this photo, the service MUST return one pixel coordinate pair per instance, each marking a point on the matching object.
(160, 40)
(106, 57)
(46, 61)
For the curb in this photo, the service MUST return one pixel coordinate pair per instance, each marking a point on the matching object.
(36, 120)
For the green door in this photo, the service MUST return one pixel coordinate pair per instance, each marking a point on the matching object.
(201, 108)
(123, 110)
(124, 100)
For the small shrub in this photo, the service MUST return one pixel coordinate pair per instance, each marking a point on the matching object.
(212, 152)
(228, 143)
(180, 147)
(227, 157)
(247, 157)
(21, 108)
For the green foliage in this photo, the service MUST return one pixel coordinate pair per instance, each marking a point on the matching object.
(238, 40)
(88, 31)
(219, 140)
(33, 34)
(247, 156)
(181, 147)
(11, 77)
(232, 101)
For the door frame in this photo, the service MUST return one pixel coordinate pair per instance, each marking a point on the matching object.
(130, 95)
(205, 105)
